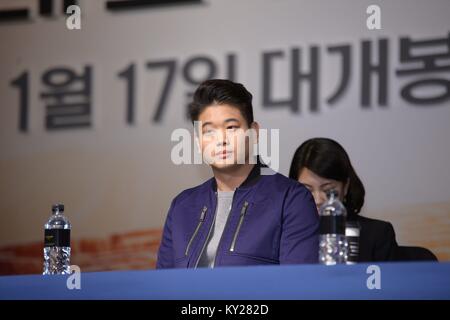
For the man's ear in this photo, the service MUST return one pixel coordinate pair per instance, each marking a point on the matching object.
(197, 143)
(197, 135)
(255, 126)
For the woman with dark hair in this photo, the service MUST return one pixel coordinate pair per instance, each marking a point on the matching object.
(322, 164)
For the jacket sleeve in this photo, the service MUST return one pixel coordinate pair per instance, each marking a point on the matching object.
(300, 228)
(165, 252)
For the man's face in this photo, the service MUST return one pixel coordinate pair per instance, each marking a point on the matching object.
(223, 135)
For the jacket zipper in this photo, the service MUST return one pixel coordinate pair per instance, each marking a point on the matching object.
(241, 220)
(207, 237)
(200, 222)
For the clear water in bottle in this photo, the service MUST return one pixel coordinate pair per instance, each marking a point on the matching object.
(57, 242)
(333, 245)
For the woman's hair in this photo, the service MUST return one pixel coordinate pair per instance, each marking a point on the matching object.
(328, 159)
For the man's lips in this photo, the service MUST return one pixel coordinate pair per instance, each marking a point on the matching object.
(223, 153)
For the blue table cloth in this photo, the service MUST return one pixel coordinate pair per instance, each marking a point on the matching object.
(421, 280)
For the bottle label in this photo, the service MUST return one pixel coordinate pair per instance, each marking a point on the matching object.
(332, 225)
(353, 246)
(57, 238)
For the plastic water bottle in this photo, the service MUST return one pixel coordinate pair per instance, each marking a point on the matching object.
(352, 231)
(57, 242)
(333, 245)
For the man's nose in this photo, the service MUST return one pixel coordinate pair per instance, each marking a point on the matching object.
(222, 139)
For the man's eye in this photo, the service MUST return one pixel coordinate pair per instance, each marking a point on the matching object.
(232, 128)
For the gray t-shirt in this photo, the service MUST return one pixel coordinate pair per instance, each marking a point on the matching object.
(224, 201)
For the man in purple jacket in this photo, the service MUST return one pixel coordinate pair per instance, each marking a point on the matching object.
(243, 215)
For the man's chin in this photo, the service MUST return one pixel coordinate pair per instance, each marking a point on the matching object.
(224, 166)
